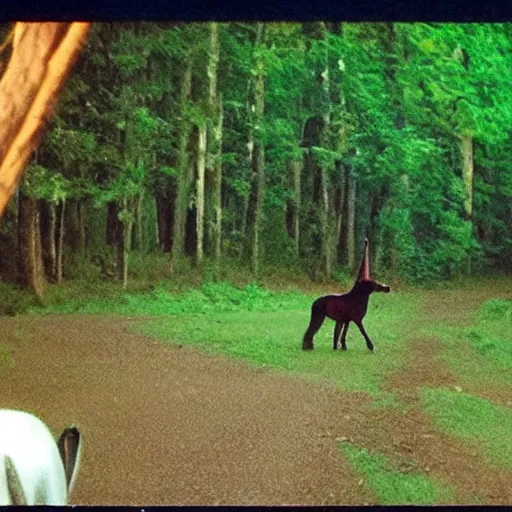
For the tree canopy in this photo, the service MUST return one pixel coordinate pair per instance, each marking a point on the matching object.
(287, 143)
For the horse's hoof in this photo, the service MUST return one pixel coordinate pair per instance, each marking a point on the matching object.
(307, 348)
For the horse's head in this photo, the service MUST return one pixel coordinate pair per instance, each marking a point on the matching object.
(378, 287)
(370, 286)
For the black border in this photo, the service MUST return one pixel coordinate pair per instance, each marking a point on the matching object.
(262, 10)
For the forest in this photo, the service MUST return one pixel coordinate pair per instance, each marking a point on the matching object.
(194, 197)
(278, 145)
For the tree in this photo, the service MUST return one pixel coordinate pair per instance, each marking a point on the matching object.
(43, 54)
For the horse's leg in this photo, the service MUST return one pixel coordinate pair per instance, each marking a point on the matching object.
(369, 343)
(344, 336)
(317, 319)
(337, 332)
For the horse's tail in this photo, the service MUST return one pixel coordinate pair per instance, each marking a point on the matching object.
(318, 312)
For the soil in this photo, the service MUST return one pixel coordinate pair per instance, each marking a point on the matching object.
(168, 425)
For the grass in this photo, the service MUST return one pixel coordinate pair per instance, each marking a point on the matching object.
(265, 328)
(473, 419)
(271, 335)
(210, 298)
(390, 486)
(481, 354)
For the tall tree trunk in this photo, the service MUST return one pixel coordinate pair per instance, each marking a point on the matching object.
(124, 242)
(201, 156)
(60, 242)
(183, 188)
(295, 171)
(163, 216)
(258, 160)
(217, 189)
(341, 206)
(246, 199)
(213, 207)
(467, 174)
(466, 147)
(351, 218)
(75, 232)
(50, 242)
(31, 273)
(325, 213)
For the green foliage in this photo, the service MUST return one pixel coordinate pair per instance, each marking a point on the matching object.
(396, 99)
(486, 426)
(390, 486)
(42, 183)
(209, 298)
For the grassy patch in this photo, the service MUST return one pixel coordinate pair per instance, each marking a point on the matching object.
(390, 486)
(473, 419)
(260, 326)
(482, 353)
(271, 335)
(163, 300)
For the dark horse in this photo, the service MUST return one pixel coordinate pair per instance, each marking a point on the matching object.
(345, 308)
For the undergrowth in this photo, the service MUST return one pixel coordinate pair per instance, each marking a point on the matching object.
(209, 298)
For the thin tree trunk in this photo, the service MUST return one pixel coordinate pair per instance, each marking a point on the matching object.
(325, 224)
(75, 231)
(258, 161)
(296, 170)
(31, 273)
(244, 220)
(124, 242)
(466, 147)
(213, 63)
(157, 225)
(183, 189)
(341, 206)
(50, 240)
(213, 213)
(467, 173)
(258, 169)
(201, 155)
(217, 190)
(60, 241)
(162, 219)
(351, 217)
(137, 225)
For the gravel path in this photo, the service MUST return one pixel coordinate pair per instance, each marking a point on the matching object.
(169, 425)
